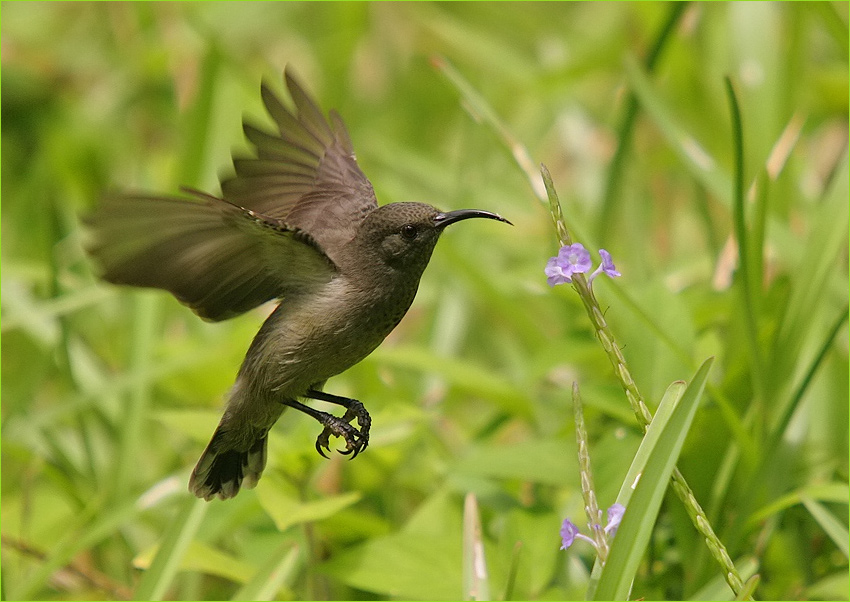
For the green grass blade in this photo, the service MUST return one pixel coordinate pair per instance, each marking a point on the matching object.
(817, 265)
(665, 442)
(481, 110)
(200, 119)
(693, 155)
(833, 527)
(278, 572)
(139, 399)
(790, 407)
(156, 580)
(835, 492)
(745, 279)
(611, 198)
(512, 571)
(671, 399)
(475, 582)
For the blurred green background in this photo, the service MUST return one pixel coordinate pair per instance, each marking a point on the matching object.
(109, 395)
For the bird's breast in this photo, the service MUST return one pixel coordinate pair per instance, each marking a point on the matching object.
(312, 337)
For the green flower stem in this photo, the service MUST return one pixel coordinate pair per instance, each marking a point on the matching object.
(642, 413)
(591, 505)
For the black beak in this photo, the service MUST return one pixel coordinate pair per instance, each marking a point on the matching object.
(441, 220)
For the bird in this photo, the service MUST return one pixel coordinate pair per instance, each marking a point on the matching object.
(297, 221)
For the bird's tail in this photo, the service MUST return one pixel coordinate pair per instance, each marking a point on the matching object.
(225, 466)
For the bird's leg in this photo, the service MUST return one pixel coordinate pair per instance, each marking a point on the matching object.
(353, 409)
(338, 427)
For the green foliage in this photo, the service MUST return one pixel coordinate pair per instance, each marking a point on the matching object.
(109, 395)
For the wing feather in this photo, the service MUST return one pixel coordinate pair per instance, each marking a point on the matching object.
(219, 259)
(305, 173)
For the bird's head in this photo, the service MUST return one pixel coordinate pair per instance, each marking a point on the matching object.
(401, 236)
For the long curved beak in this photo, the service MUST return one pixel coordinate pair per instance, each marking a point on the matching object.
(441, 220)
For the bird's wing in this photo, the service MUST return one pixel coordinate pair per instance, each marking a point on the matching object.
(219, 259)
(305, 174)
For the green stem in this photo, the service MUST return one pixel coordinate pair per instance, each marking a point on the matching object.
(591, 505)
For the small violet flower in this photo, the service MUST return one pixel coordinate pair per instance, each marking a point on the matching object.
(606, 266)
(615, 515)
(574, 259)
(569, 532)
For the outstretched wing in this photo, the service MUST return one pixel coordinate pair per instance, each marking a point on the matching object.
(305, 174)
(219, 259)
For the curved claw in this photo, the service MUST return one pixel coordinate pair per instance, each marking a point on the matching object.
(321, 451)
(355, 440)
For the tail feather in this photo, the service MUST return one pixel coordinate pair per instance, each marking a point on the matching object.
(224, 467)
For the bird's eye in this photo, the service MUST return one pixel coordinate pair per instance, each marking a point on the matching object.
(409, 232)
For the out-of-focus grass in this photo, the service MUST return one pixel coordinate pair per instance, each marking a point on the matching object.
(109, 395)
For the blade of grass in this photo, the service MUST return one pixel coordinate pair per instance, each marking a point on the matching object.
(745, 280)
(664, 443)
(611, 198)
(774, 437)
(793, 403)
(512, 571)
(199, 119)
(702, 166)
(480, 110)
(475, 582)
(669, 401)
(277, 573)
(146, 318)
(156, 580)
(834, 528)
(812, 278)
(828, 492)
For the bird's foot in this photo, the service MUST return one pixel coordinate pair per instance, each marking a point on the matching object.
(364, 421)
(355, 440)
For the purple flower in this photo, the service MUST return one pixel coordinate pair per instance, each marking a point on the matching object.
(574, 259)
(570, 532)
(615, 515)
(606, 266)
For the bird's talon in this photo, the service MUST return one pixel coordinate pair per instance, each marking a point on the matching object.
(320, 450)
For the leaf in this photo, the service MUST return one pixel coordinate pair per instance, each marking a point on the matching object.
(286, 511)
(658, 452)
(203, 558)
(421, 562)
(833, 527)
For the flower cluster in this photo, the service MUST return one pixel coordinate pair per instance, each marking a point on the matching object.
(575, 259)
(569, 531)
